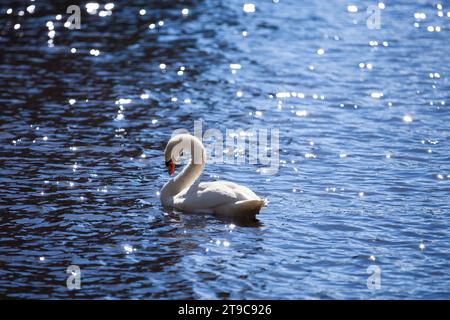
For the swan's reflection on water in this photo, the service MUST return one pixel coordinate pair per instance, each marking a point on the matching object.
(242, 221)
(238, 221)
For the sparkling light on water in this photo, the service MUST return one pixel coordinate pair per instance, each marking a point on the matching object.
(407, 118)
(92, 7)
(249, 8)
(352, 8)
(31, 8)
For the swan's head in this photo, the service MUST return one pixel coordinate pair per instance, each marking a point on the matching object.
(172, 153)
(178, 145)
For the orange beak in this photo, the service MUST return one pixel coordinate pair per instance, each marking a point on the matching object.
(171, 168)
(170, 165)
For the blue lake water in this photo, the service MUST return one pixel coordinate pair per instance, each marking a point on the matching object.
(364, 174)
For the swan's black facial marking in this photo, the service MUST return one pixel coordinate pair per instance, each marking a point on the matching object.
(168, 163)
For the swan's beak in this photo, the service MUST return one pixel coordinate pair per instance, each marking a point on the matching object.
(171, 168)
(170, 165)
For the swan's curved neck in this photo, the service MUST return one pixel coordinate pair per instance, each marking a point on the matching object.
(191, 171)
(187, 177)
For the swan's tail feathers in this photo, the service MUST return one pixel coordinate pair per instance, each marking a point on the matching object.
(241, 209)
(251, 206)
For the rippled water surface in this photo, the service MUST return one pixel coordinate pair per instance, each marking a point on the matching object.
(364, 176)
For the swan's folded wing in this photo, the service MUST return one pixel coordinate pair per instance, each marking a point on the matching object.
(206, 195)
(241, 192)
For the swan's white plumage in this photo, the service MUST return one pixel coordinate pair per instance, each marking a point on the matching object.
(224, 198)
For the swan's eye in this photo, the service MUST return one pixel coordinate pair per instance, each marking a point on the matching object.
(181, 153)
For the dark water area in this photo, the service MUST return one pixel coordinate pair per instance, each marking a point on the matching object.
(364, 173)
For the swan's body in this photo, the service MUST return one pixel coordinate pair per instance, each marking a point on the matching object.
(185, 193)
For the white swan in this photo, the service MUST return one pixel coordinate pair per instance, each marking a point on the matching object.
(185, 193)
